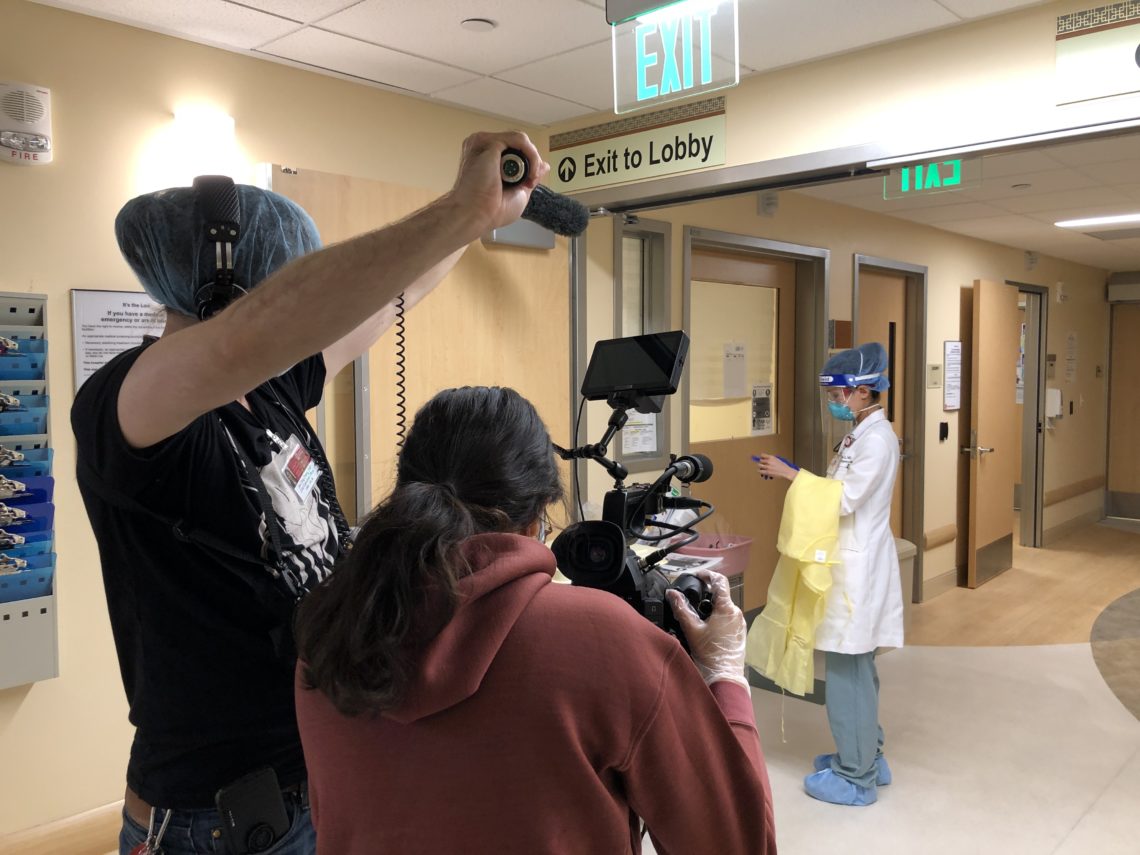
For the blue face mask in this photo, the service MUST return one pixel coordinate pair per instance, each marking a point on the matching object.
(841, 411)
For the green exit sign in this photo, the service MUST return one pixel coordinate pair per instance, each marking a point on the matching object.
(937, 176)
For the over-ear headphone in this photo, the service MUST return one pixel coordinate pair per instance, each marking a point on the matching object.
(218, 202)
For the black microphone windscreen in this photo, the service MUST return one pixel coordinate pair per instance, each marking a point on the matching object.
(561, 214)
(693, 468)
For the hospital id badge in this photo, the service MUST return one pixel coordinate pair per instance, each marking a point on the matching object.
(299, 469)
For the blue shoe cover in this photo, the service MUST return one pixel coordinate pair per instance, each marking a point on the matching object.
(829, 787)
(882, 779)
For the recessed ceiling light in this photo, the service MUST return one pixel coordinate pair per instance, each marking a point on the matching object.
(1020, 186)
(1099, 221)
(478, 25)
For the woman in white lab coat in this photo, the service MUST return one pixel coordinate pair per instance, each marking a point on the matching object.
(864, 608)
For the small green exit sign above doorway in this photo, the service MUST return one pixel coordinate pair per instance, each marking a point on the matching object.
(937, 176)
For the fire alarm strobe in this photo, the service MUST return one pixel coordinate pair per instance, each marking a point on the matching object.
(25, 124)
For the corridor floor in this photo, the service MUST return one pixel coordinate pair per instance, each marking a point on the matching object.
(1003, 736)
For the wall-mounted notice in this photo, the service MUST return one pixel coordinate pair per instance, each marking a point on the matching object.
(105, 323)
(952, 391)
(762, 422)
(1071, 351)
(735, 369)
(639, 436)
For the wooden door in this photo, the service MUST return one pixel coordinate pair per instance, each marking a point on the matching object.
(1124, 412)
(882, 318)
(738, 289)
(500, 318)
(993, 428)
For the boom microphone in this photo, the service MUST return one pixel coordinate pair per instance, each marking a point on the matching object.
(691, 469)
(561, 214)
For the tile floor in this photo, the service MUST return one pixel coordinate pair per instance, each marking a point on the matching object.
(1019, 749)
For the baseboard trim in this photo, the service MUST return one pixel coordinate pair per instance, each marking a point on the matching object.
(939, 584)
(93, 832)
(1062, 530)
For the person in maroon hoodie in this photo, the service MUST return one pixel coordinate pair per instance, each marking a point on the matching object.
(451, 698)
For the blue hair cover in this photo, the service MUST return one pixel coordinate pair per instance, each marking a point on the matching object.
(865, 365)
(161, 236)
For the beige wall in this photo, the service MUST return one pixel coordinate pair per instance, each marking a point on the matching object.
(984, 81)
(1075, 451)
(64, 742)
(988, 80)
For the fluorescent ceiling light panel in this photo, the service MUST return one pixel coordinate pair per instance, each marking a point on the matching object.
(1099, 221)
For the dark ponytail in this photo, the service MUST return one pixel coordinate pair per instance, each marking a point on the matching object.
(475, 460)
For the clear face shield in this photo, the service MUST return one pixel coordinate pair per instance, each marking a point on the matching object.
(836, 408)
(833, 405)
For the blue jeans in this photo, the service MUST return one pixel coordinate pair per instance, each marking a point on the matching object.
(199, 832)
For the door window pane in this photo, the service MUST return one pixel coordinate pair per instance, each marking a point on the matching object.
(633, 286)
(733, 361)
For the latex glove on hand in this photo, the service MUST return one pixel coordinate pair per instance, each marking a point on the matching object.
(717, 644)
(774, 466)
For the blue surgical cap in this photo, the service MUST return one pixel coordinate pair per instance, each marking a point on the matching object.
(867, 364)
(161, 235)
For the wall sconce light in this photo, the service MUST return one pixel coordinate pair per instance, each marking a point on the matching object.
(199, 141)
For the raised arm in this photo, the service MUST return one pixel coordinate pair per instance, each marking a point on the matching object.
(317, 300)
(343, 351)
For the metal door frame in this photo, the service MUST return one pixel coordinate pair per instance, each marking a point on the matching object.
(1033, 428)
(812, 280)
(915, 277)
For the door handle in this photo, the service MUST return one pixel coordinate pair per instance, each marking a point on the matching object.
(976, 450)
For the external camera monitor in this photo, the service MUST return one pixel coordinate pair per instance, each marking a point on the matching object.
(640, 365)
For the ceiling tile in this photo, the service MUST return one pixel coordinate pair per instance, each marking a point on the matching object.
(212, 21)
(524, 33)
(499, 98)
(360, 59)
(584, 75)
(1117, 172)
(1069, 200)
(777, 34)
(1098, 151)
(1017, 163)
(305, 11)
(1052, 181)
(984, 8)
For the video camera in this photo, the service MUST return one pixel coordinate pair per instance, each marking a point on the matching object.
(637, 372)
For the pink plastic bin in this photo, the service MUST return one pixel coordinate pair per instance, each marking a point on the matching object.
(733, 548)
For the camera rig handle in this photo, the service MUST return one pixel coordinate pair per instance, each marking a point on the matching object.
(598, 451)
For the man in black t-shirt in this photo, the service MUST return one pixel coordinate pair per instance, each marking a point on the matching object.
(209, 495)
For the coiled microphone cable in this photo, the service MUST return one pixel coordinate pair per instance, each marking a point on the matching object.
(401, 389)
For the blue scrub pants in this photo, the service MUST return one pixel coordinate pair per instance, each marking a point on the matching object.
(852, 695)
